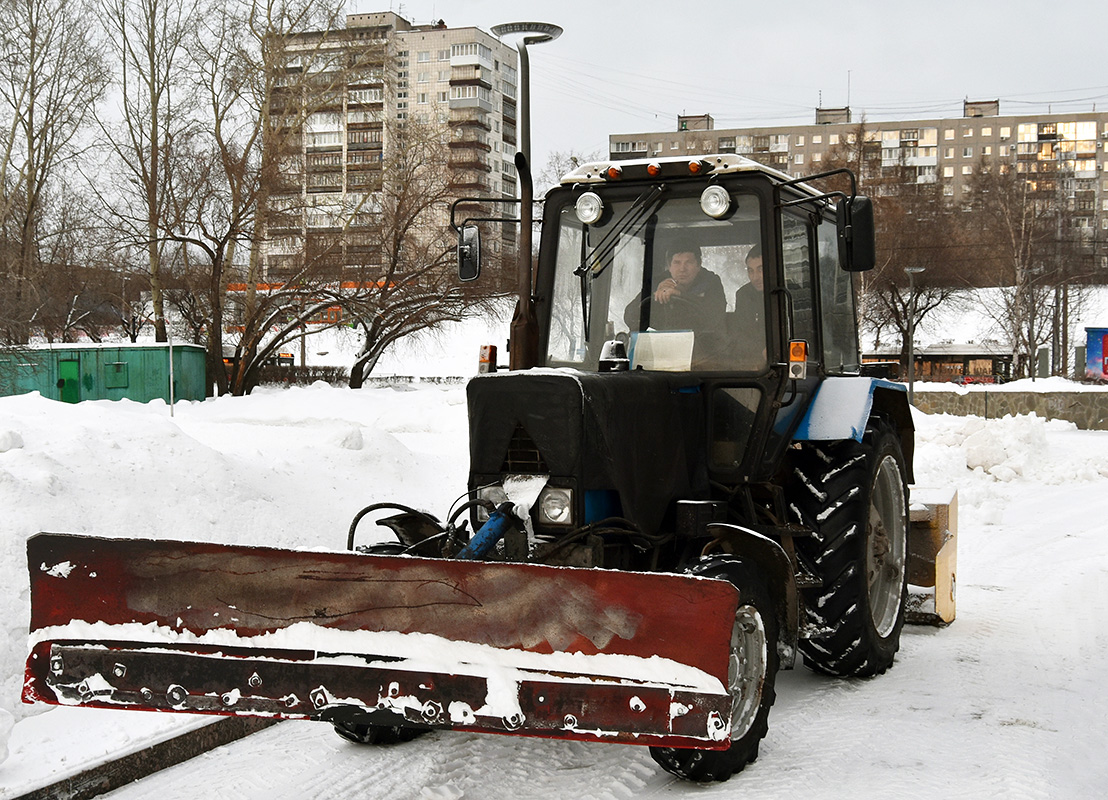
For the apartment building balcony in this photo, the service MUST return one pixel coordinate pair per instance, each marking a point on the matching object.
(282, 223)
(463, 120)
(468, 183)
(471, 79)
(462, 161)
(921, 161)
(470, 144)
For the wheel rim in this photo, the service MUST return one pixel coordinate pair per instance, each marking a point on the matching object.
(746, 669)
(885, 546)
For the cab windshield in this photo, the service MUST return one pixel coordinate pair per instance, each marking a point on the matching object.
(682, 290)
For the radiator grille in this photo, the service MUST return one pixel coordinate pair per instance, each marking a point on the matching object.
(523, 455)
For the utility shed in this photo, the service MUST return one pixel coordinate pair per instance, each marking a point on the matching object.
(75, 372)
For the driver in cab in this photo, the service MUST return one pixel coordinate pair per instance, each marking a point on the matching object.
(691, 297)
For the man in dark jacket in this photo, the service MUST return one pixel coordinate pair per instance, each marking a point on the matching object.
(747, 328)
(691, 298)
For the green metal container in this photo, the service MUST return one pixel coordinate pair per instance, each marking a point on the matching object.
(71, 373)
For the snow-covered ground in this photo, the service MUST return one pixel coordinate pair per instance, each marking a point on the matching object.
(1009, 701)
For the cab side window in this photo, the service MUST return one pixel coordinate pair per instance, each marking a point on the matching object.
(796, 250)
(836, 294)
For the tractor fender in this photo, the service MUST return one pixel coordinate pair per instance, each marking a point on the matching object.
(771, 560)
(842, 406)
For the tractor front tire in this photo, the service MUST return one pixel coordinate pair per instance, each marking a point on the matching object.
(363, 733)
(752, 673)
(854, 498)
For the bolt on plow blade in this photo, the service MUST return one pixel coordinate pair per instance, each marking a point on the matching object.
(558, 652)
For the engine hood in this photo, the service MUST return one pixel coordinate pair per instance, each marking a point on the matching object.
(638, 433)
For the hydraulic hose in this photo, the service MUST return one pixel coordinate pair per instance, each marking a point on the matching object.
(378, 507)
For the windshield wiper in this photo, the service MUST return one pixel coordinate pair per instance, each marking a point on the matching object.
(601, 255)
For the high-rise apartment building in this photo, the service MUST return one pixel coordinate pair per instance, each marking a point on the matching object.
(1066, 152)
(461, 79)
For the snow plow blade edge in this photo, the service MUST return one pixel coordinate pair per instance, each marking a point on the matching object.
(557, 652)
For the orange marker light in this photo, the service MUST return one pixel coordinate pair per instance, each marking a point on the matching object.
(798, 351)
(695, 167)
(613, 173)
(653, 170)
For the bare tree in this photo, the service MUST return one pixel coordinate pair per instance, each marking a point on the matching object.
(1017, 222)
(558, 163)
(148, 39)
(54, 73)
(410, 284)
(917, 230)
(917, 233)
(253, 107)
(75, 283)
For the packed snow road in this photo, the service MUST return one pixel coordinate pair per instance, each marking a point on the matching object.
(1006, 702)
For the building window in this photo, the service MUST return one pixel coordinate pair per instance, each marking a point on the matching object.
(967, 152)
(364, 96)
(986, 131)
(674, 145)
(817, 157)
(967, 132)
(987, 150)
(424, 56)
(800, 140)
(948, 172)
(948, 152)
(444, 55)
(817, 139)
(833, 139)
(948, 134)
(1005, 133)
(967, 169)
(798, 158)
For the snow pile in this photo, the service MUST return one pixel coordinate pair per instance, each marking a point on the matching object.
(286, 468)
(1005, 450)
(291, 467)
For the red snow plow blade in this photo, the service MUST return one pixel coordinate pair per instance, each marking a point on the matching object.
(533, 650)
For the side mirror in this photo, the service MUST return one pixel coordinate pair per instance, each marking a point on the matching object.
(469, 253)
(857, 245)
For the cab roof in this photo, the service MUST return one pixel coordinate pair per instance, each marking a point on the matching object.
(669, 167)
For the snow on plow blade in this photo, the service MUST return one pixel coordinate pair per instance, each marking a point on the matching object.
(534, 650)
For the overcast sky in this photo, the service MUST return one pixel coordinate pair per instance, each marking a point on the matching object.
(625, 67)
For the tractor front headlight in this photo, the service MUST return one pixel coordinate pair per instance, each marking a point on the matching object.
(495, 494)
(555, 506)
(715, 202)
(589, 207)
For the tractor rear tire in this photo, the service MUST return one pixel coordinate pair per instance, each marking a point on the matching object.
(854, 498)
(752, 673)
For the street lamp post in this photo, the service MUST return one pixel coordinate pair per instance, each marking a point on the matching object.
(534, 33)
(912, 272)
